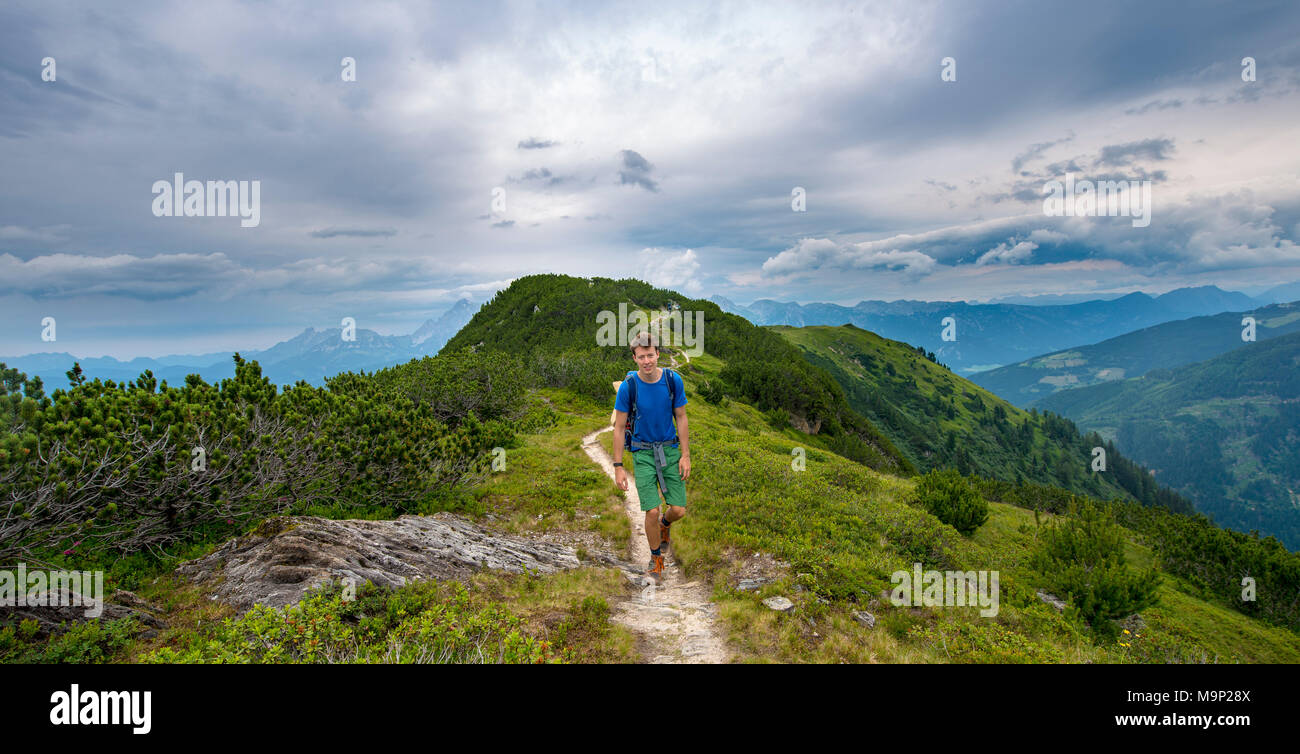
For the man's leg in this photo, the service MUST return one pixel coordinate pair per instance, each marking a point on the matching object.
(652, 528)
(647, 488)
(674, 495)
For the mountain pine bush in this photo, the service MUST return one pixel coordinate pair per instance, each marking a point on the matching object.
(946, 494)
(1082, 559)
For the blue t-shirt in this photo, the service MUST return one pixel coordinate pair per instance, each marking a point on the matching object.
(654, 419)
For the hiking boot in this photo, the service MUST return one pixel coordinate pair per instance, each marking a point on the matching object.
(656, 568)
(663, 532)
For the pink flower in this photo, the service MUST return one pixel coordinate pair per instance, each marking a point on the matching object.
(230, 520)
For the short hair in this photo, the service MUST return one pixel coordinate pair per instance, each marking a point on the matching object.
(643, 339)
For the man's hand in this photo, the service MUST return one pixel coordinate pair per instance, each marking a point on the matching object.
(620, 478)
(684, 467)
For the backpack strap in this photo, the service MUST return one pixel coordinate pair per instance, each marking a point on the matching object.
(630, 378)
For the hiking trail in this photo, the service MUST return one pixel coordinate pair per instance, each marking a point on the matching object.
(676, 618)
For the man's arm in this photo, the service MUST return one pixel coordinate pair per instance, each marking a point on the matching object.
(683, 430)
(620, 425)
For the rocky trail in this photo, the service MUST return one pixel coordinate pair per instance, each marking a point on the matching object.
(676, 618)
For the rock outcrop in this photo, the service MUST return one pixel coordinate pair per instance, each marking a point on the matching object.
(277, 564)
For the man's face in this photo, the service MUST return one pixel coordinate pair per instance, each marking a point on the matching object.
(646, 358)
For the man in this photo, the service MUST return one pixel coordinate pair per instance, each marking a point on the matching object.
(660, 465)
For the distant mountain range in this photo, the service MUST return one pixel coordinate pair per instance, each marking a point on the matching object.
(311, 355)
(1163, 346)
(991, 335)
(1224, 432)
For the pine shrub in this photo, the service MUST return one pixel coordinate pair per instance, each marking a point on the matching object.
(944, 493)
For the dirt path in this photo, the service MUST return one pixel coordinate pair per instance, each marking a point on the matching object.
(676, 617)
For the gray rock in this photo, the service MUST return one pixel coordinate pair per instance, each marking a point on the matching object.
(1052, 600)
(65, 612)
(751, 585)
(1134, 623)
(780, 604)
(865, 618)
(286, 557)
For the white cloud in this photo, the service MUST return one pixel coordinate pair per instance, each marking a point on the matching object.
(669, 269)
(812, 254)
(1042, 235)
(1009, 255)
(41, 235)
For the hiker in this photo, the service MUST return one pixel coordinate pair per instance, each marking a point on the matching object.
(653, 397)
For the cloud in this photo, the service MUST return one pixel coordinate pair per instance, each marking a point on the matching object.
(162, 276)
(1001, 253)
(674, 270)
(1042, 235)
(1124, 154)
(353, 232)
(1158, 104)
(812, 254)
(636, 171)
(540, 174)
(50, 234)
(533, 143)
(215, 276)
(1034, 151)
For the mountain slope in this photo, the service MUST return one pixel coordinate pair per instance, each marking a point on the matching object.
(1223, 432)
(1166, 345)
(939, 419)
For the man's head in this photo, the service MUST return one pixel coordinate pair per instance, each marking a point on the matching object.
(645, 349)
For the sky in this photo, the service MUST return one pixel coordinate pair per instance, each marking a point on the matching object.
(411, 154)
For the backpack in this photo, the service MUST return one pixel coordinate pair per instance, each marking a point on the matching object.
(631, 408)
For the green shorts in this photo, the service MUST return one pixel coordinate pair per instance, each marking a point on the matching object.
(647, 482)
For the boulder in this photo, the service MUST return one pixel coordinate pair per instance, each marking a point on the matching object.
(780, 604)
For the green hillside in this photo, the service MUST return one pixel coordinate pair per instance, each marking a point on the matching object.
(938, 419)
(1163, 346)
(1225, 432)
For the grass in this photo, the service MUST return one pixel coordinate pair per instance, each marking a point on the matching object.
(550, 484)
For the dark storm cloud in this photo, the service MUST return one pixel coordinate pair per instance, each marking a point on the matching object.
(1124, 154)
(636, 171)
(353, 232)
